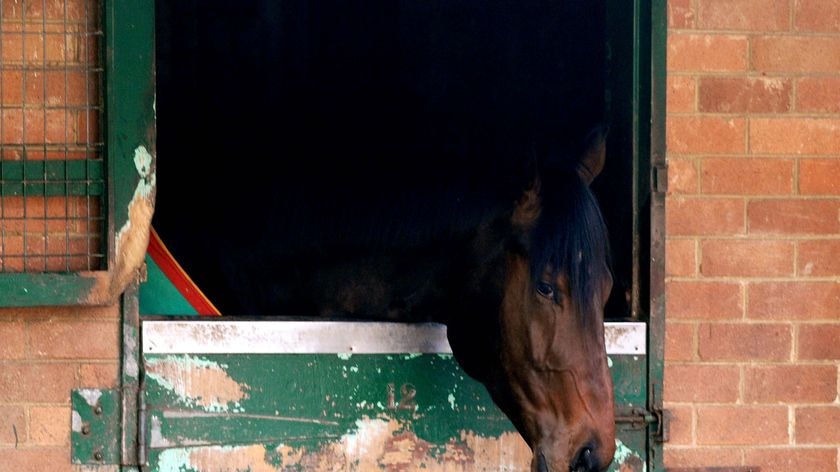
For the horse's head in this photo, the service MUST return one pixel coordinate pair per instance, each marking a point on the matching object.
(554, 382)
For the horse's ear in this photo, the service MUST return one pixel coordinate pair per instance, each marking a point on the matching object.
(594, 156)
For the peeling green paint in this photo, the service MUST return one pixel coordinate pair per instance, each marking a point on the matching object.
(143, 164)
(304, 402)
(623, 453)
(173, 460)
(175, 374)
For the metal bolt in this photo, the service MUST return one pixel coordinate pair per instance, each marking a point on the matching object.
(97, 455)
(97, 410)
(86, 429)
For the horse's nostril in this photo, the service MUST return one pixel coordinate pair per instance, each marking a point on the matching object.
(586, 462)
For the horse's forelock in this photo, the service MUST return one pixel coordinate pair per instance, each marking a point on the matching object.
(571, 239)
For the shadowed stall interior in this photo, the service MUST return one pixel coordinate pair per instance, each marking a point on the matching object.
(300, 117)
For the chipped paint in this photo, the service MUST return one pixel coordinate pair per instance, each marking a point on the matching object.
(319, 421)
(376, 444)
(130, 362)
(626, 459)
(132, 238)
(91, 396)
(76, 422)
(344, 356)
(197, 382)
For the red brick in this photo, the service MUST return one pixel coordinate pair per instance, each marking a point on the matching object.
(705, 135)
(794, 300)
(49, 126)
(704, 300)
(794, 216)
(64, 10)
(798, 136)
(679, 341)
(53, 88)
(681, 14)
(792, 458)
(819, 258)
(682, 176)
(704, 216)
(41, 45)
(37, 382)
(99, 375)
(702, 457)
(819, 342)
(682, 93)
(747, 176)
(88, 127)
(12, 425)
(817, 15)
(701, 383)
(742, 425)
(706, 52)
(818, 425)
(819, 176)
(681, 425)
(37, 459)
(680, 257)
(74, 339)
(809, 54)
(49, 425)
(744, 342)
(12, 340)
(791, 384)
(746, 258)
(745, 95)
(745, 15)
(818, 94)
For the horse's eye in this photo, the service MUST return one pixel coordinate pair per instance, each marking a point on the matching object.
(545, 289)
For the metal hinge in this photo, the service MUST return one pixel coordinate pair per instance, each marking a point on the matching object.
(659, 178)
(95, 426)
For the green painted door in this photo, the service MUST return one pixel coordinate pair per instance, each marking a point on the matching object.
(339, 396)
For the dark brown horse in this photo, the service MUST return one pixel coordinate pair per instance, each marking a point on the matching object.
(409, 161)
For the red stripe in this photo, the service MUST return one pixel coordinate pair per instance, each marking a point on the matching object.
(179, 278)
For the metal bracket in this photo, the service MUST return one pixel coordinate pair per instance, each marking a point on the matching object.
(663, 425)
(95, 426)
(659, 178)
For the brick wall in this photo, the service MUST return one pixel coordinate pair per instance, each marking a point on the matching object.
(48, 100)
(753, 234)
(44, 354)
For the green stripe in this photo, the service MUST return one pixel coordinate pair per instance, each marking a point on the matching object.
(52, 178)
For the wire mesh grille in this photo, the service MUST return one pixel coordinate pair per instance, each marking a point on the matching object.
(52, 172)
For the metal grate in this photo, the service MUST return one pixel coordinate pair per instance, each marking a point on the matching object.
(52, 169)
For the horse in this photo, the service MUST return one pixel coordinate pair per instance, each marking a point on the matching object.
(342, 180)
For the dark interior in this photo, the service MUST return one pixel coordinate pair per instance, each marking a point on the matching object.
(348, 96)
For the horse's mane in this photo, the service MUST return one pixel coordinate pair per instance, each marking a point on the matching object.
(570, 237)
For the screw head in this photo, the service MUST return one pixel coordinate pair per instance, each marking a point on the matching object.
(97, 455)
(97, 410)
(85, 429)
